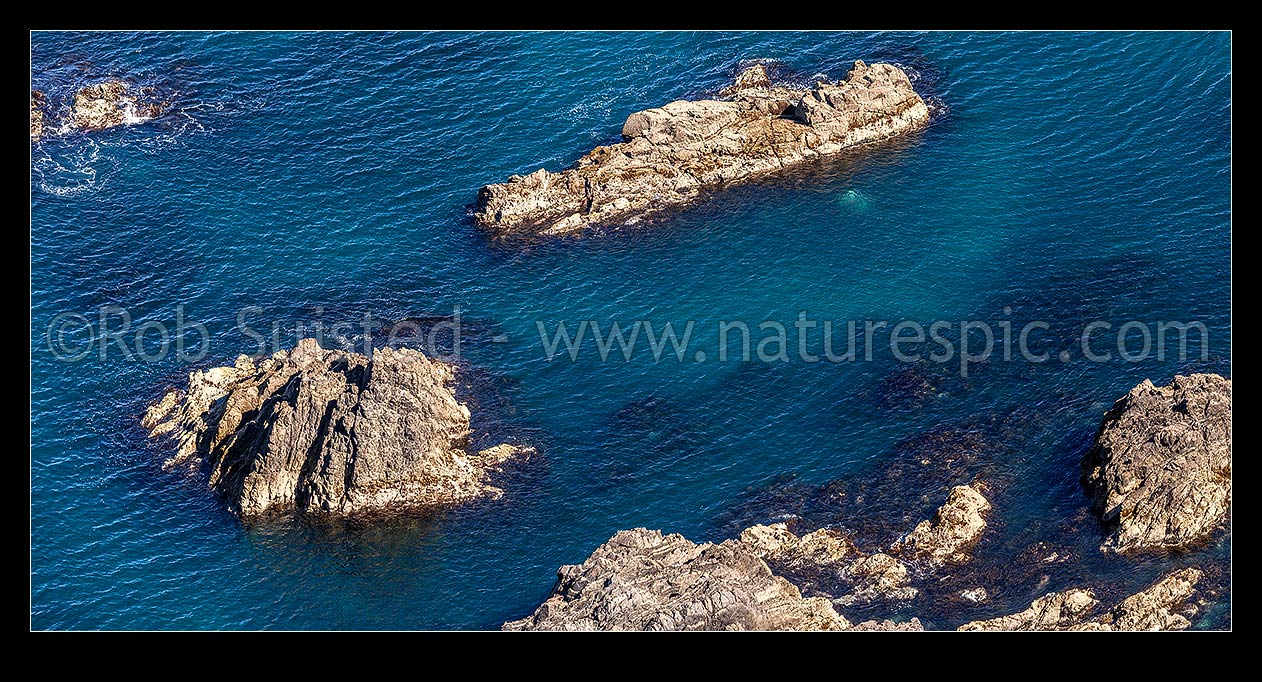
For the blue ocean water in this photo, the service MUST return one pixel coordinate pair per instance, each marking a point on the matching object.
(1066, 177)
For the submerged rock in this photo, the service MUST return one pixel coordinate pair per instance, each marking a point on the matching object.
(37, 114)
(953, 530)
(328, 431)
(671, 154)
(643, 580)
(1156, 607)
(1160, 468)
(110, 104)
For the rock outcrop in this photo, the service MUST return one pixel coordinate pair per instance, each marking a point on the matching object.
(643, 580)
(1160, 606)
(830, 562)
(328, 431)
(826, 557)
(953, 530)
(110, 104)
(1054, 611)
(1160, 469)
(37, 114)
(671, 154)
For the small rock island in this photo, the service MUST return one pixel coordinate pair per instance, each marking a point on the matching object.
(329, 431)
(1160, 469)
(671, 154)
(99, 106)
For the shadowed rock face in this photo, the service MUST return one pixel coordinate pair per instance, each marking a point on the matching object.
(1153, 608)
(1160, 469)
(673, 153)
(328, 431)
(643, 580)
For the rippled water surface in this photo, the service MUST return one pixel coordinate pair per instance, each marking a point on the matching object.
(1066, 177)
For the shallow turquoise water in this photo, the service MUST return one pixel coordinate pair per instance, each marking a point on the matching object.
(1066, 177)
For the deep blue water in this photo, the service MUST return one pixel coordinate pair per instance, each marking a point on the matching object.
(1066, 177)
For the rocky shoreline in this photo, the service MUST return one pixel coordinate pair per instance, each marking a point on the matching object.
(672, 154)
(327, 431)
(1162, 456)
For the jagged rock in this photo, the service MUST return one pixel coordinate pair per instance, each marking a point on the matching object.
(110, 104)
(673, 153)
(828, 561)
(328, 431)
(1054, 611)
(1152, 608)
(954, 529)
(1160, 468)
(37, 114)
(867, 577)
(642, 580)
(752, 78)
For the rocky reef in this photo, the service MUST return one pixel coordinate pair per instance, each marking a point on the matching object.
(99, 106)
(1160, 469)
(1164, 605)
(110, 104)
(643, 580)
(328, 431)
(829, 562)
(671, 154)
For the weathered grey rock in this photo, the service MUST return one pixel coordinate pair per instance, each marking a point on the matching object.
(1054, 611)
(1160, 469)
(951, 533)
(642, 580)
(1153, 608)
(671, 154)
(37, 114)
(868, 577)
(328, 431)
(110, 104)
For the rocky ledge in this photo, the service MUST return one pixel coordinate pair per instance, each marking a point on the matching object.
(328, 431)
(673, 153)
(1160, 469)
(1164, 605)
(642, 580)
